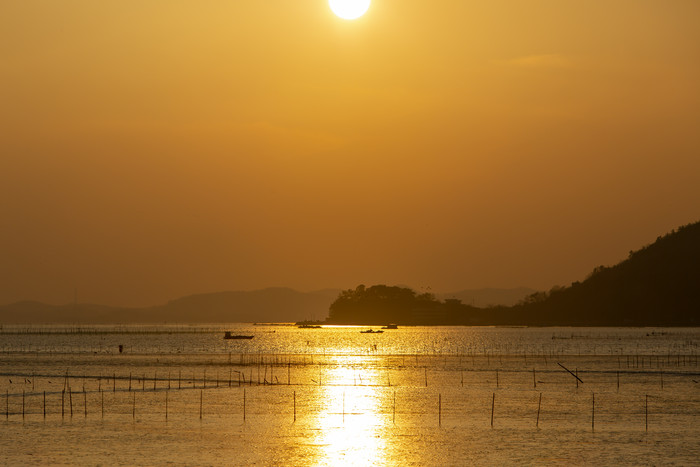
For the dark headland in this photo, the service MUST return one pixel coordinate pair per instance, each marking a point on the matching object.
(658, 285)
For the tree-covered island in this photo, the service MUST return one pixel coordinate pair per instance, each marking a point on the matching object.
(658, 285)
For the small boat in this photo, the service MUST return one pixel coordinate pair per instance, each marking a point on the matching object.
(228, 335)
(309, 326)
(372, 331)
(391, 326)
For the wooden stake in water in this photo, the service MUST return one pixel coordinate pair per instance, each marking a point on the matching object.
(22, 404)
(70, 401)
(646, 412)
(166, 405)
(426, 376)
(593, 414)
(63, 398)
(114, 382)
(44, 405)
(493, 406)
(7, 404)
(85, 402)
(496, 378)
(129, 381)
(662, 379)
(201, 403)
(102, 403)
(295, 405)
(534, 379)
(439, 409)
(289, 371)
(539, 406)
(394, 409)
(244, 405)
(155, 378)
(618, 381)
(133, 406)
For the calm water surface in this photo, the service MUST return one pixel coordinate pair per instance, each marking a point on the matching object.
(183, 395)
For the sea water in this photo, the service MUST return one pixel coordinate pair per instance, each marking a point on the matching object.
(183, 395)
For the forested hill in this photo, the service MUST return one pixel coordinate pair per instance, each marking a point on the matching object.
(657, 285)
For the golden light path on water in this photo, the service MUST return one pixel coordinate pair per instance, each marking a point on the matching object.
(349, 425)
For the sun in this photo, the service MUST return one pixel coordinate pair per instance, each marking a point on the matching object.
(349, 9)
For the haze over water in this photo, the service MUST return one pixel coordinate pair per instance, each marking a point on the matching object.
(334, 396)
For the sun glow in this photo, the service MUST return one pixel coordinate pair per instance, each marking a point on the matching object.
(352, 418)
(349, 9)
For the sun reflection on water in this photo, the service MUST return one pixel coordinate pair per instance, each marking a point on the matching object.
(350, 422)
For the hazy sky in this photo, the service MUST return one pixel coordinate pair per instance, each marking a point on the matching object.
(151, 149)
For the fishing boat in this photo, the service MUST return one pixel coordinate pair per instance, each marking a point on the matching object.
(372, 331)
(390, 326)
(228, 335)
(309, 326)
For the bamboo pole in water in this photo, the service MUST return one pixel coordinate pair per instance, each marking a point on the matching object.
(493, 406)
(295, 405)
(201, 402)
(44, 405)
(646, 412)
(22, 404)
(539, 406)
(534, 379)
(133, 406)
(7, 404)
(114, 382)
(102, 403)
(70, 401)
(244, 406)
(394, 409)
(593, 413)
(439, 409)
(85, 401)
(166, 405)
(63, 398)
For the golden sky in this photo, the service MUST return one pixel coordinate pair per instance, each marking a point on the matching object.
(155, 148)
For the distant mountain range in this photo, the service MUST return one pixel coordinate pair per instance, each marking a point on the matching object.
(488, 297)
(658, 285)
(275, 304)
(267, 305)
